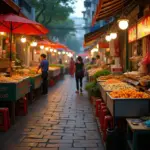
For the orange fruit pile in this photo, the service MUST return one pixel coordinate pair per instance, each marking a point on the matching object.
(128, 94)
(112, 81)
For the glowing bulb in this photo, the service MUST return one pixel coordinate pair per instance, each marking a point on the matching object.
(35, 52)
(113, 35)
(59, 53)
(2, 33)
(87, 57)
(55, 50)
(123, 24)
(108, 38)
(23, 40)
(64, 52)
(34, 44)
(46, 48)
(51, 50)
(42, 47)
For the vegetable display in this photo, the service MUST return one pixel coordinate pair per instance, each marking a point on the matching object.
(101, 73)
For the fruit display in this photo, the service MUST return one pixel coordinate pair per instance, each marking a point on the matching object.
(4, 79)
(104, 78)
(92, 71)
(116, 86)
(135, 75)
(128, 93)
(112, 81)
(144, 80)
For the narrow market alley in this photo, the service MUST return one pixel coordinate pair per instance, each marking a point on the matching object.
(61, 120)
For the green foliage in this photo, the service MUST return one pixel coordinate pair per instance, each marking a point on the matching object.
(88, 67)
(93, 89)
(57, 65)
(101, 73)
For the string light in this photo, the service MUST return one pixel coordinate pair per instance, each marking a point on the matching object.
(41, 46)
(23, 39)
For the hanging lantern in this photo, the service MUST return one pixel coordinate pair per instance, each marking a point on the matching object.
(23, 39)
(55, 50)
(42, 47)
(63, 52)
(59, 53)
(123, 24)
(108, 38)
(113, 35)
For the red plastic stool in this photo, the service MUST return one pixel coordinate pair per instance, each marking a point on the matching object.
(108, 122)
(98, 103)
(51, 82)
(104, 112)
(5, 119)
(102, 105)
(22, 107)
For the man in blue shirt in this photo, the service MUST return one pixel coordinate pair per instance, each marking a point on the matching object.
(44, 65)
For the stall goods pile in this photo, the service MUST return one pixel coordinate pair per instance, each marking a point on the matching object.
(103, 78)
(112, 81)
(143, 80)
(4, 79)
(53, 68)
(92, 71)
(117, 86)
(133, 75)
(128, 94)
(57, 65)
(101, 73)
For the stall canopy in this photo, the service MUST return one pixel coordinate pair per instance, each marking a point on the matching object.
(20, 25)
(108, 8)
(93, 37)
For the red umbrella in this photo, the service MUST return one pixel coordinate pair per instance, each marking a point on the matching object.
(18, 25)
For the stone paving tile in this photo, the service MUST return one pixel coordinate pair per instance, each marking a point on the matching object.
(60, 121)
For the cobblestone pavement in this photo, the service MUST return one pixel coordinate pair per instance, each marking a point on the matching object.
(60, 121)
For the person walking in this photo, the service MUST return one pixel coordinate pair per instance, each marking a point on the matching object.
(44, 65)
(72, 67)
(79, 73)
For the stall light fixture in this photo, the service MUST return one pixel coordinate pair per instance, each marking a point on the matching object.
(42, 47)
(123, 23)
(108, 38)
(46, 48)
(113, 35)
(35, 52)
(2, 33)
(51, 50)
(59, 53)
(55, 50)
(64, 52)
(86, 57)
(23, 39)
(34, 44)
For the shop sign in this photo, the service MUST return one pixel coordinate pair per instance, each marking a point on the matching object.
(132, 34)
(144, 27)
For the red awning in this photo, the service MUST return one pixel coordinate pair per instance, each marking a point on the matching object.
(20, 25)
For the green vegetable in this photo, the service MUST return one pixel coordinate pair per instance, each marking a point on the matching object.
(57, 65)
(93, 89)
(101, 73)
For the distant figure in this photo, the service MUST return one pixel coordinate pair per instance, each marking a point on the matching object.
(44, 65)
(72, 67)
(92, 61)
(79, 73)
(98, 61)
(60, 61)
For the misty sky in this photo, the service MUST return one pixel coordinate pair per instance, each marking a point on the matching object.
(79, 7)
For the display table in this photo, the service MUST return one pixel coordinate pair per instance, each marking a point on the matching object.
(127, 107)
(36, 81)
(133, 133)
(12, 92)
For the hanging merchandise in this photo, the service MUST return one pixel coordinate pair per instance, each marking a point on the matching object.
(146, 59)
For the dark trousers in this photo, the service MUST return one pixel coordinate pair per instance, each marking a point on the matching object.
(79, 82)
(45, 82)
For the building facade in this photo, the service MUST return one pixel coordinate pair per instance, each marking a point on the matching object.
(26, 8)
